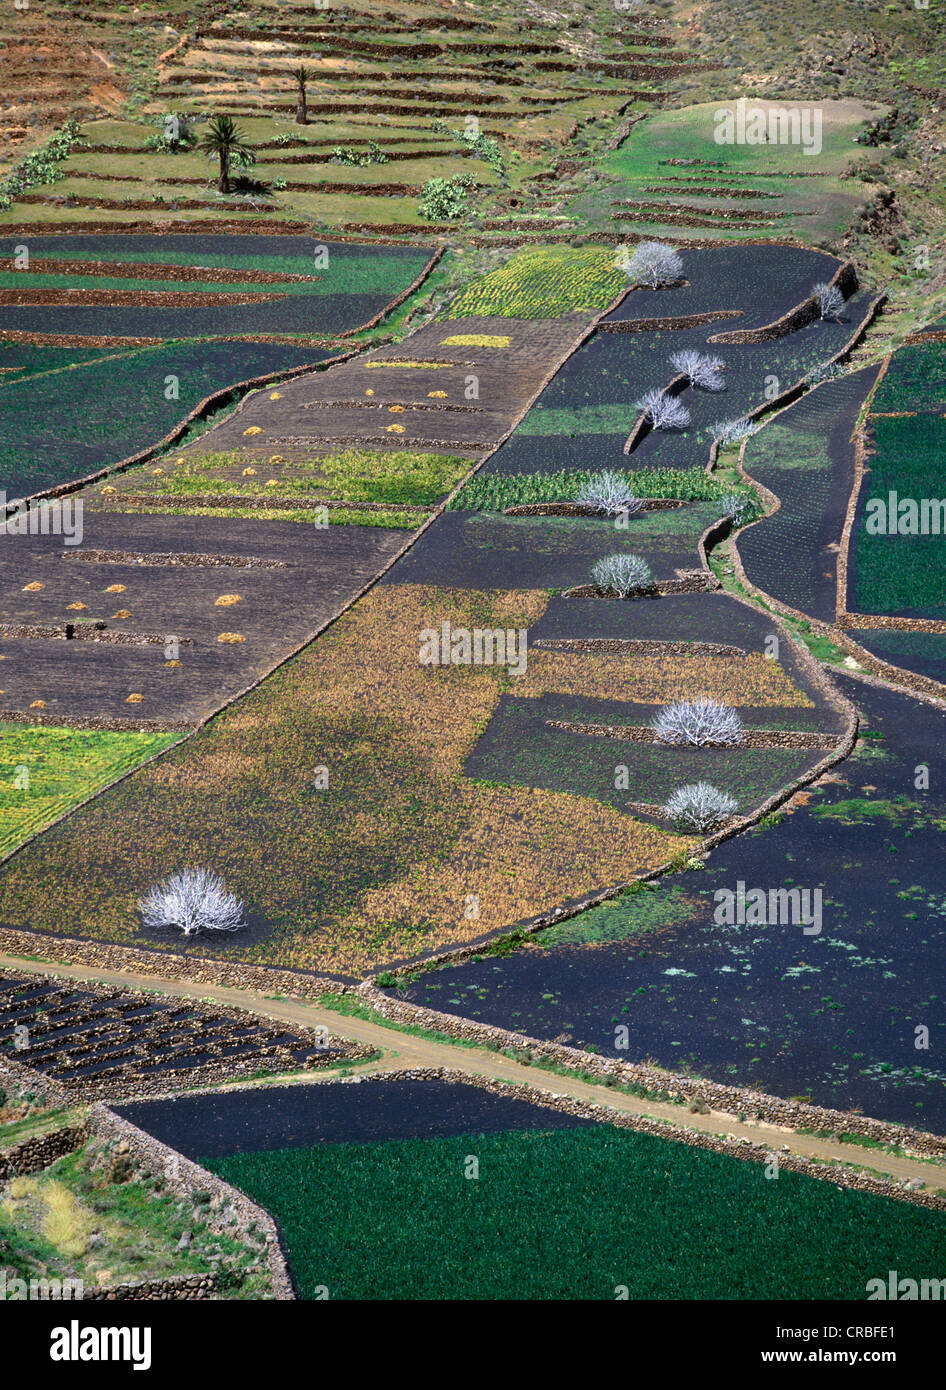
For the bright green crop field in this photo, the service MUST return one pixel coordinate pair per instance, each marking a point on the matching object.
(45, 771)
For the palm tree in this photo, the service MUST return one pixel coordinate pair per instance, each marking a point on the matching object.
(302, 76)
(229, 145)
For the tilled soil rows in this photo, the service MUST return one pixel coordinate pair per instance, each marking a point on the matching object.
(99, 1043)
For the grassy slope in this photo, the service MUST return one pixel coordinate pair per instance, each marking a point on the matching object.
(809, 187)
(813, 50)
(48, 1220)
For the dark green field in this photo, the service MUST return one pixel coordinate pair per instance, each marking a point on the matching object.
(64, 425)
(902, 573)
(574, 1214)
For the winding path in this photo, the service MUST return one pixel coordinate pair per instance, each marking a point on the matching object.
(405, 1051)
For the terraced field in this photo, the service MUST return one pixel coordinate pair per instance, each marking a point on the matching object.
(831, 1014)
(398, 88)
(469, 567)
(104, 1043)
(806, 458)
(586, 416)
(364, 453)
(54, 63)
(358, 568)
(896, 566)
(133, 290)
(155, 621)
(395, 1153)
(678, 175)
(144, 332)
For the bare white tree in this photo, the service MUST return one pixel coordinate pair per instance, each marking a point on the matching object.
(609, 493)
(703, 371)
(664, 412)
(732, 431)
(830, 299)
(194, 901)
(738, 506)
(653, 263)
(699, 806)
(698, 723)
(622, 574)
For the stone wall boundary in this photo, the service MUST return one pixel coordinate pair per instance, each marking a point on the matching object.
(185, 1178)
(730, 1145)
(38, 1151)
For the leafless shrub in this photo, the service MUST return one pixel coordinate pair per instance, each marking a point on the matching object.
(733, 431)
(738, 507)
(698, 723)
(194, 901)
(664, 412)
(703, 371)
(830, 299)
(622, 574)
(653, 263)
(699, 806)
(609, 493)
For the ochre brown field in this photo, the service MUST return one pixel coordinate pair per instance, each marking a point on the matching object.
(656, 679)
(399, 854)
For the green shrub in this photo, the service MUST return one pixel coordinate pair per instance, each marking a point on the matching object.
(175, 133)
(42, 166)
(483, 146)
(348, 154)
(444, 200)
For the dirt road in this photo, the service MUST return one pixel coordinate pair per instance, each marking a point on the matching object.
(402, 1051)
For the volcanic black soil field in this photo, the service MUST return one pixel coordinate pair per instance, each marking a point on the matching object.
(278, 1117)
(83, 629)
(832, 1015)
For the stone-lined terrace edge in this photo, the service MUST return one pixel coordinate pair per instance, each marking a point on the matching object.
(338, 1051)
(203, 408)
(893, 677)
(729, 1145)
(184, 1178)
